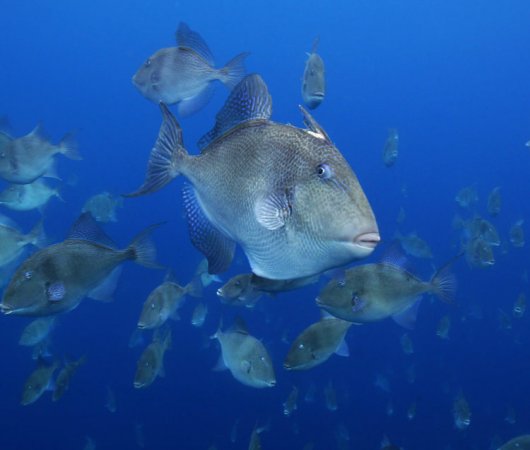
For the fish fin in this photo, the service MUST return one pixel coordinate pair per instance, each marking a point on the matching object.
(51, 172)
(142, 249)
(407, 317)
(7, 222)
(220, 366)
(195, 288)
(249, 100)
(166, 156)
(86, 228)
(187, 38)
(68, 147)
(39, 133)
(394, 256)
(444, 283)
(314, 47)
(234, 71)
(312, 125)
(245, 365)
(104, 291)
(36, 236)
(273, 211)
(240, 325)
(342, 349)
(215, 246)
(191, 105)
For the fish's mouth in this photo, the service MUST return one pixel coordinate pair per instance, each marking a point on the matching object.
(138, 385)
(272, 383)
(318, 94)
(219, 292)
(141, 326)
(6, 309)
(368, 240)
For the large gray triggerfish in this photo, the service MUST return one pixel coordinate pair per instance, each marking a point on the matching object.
(286, 195)
(185, 74)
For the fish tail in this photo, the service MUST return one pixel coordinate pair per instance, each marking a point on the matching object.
(195, 287)
(443, 282)
(36, 236)
(166, 158)
(234, 70)
(143, 250)
(68, 147)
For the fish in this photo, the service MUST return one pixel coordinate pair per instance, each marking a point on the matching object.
(246, 289)
(103, 207)
(310, 394)
(38, 382)
(24, 159)
(199, 314)
(294, 205)
(413, 245)
(151, 362)
(494, 202)
(13, 241)
(520, 442)
(314, 78)
(206, 278)
(390, 151)
(290, 405)
(461, 412)
(26, 197)
(406, 344)
(480, 228)
(330, 397)
(317, 343)
(45, 284)
(387, 445)
(110, 402)
(510, 416)
(62, 383)
(36, 331)
(185, 74)
(517, 234)
(519, 307)
(139, 434)
(467, 196)
(444, 325)
(372, 292)
(255, 441)
(479, 253)
(164, 302)
(245, 356)
(90, 444)
(411, 411)
(233, 431)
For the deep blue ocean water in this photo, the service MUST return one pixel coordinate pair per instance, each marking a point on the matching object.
(452, 76)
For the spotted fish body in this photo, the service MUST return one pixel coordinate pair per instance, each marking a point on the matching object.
(286, 195)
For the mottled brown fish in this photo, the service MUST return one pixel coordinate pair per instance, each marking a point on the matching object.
(185, 74)
(314, 78)
(62, 383)
(151, 362)
(285, 194)
(38, 382)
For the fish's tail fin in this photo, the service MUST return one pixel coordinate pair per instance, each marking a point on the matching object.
(68, 147)
(234, 71)
(166, 156)
(443, 282)
(142, 249)
(195, 288)
(36, 236)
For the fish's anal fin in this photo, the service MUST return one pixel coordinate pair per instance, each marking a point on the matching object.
(407, 318)
(191, 105)
(104, 291)
(220, 366)
(342, 349)
(215, 246)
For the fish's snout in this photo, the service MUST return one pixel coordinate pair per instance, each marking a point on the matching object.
(272, 383)
(219, 292)
(368, 240)
(6, 309)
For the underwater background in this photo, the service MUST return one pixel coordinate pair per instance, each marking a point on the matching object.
(451, 76)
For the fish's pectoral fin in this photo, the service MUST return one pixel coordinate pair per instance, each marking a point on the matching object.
(215, 246)
(191, 105)
(273, 211)
(245, 365)
(407, 317)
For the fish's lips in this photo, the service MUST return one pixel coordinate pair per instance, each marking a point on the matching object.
(6, 309)
(138, 384)
(368, 240)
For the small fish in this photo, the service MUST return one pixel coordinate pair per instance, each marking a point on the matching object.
(479, 254)
(46, 283)
(290, 405)
(387, 445)
(62, 382)
(139, 435)
(103, 207)
(185, 74)
(245, 356)
(13, 242)
(510, 415)
(494, 202)
(401, 215)
(199, 314)
(26, 197)
(390, 151)
(310, 394)
(480, 228)
(110, 402)
(389, 408)
(520, 442)
(505, 321)
(467, 196)
(443, 328)
(414, 245)
(381, 382)
(411, 411)
(461, 412)
(233, 431)
(314, 78)
(90, 444)
(151, 362)
(517, 234)
(38, 382)
(294, 204)
(519, 307)
(36, 331)
(330, 397)
(317, 343)
(406, 344)
(165, 301)
(255, 441)
(27, 158)
(373, 292)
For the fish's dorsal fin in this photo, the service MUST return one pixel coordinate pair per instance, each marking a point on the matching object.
(249, 100)
(86, 228)
(39, 132)
(240, 325)
(187, 38)
(313, 127)
(314, 47)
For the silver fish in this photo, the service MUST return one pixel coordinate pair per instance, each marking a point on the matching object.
(314, 78)
(151, 362)
(185, 74)
(390, 151)
(103, 207)
(285, 194)
(38, 382)
(25, 197)
(13, 242)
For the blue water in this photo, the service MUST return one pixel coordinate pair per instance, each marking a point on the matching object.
(452, 76)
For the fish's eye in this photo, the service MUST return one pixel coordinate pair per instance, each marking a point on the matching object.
(28, 274)
(262, 358)
(301, 346)
(324, 171)
(152, 306)
(147, 62)
(237, 283)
